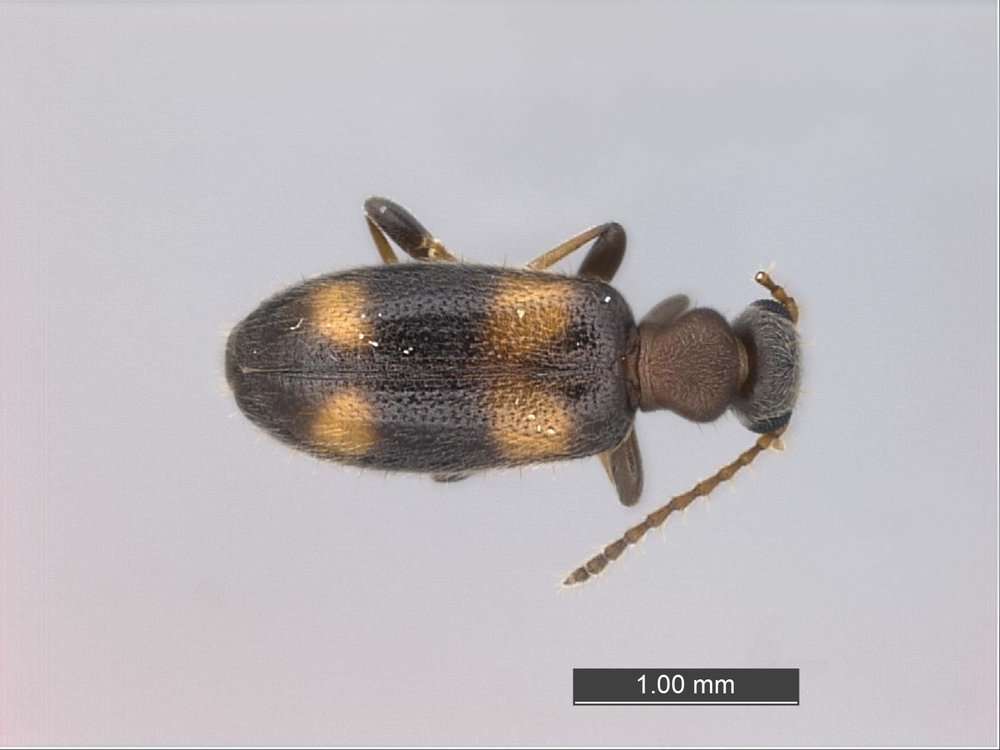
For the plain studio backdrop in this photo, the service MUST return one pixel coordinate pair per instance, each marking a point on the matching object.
(169, 574)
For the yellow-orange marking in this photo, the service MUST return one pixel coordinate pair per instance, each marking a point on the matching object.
(343, 424)
(526, 315)
(338, 314)
(528, 423)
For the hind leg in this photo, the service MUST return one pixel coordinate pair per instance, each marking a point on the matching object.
(387, 218)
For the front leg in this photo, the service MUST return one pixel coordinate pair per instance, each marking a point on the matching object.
(388, 218)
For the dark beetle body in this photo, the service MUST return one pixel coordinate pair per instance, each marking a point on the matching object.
(448, 368)
(439, 367)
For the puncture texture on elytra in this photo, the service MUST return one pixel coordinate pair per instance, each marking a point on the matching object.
(438, 367)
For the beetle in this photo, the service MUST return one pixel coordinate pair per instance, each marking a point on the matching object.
(450, 368)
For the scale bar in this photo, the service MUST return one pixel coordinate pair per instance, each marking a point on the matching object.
(685, 703)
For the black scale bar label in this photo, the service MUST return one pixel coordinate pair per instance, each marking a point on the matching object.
(686, 687)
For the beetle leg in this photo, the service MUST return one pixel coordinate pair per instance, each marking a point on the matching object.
(385, 251)
(455, 476)
(606, 254)
(624, 467)
(665, 312)
(603, 259)
(388, 218)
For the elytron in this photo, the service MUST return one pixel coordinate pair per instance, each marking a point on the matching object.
(451, 368)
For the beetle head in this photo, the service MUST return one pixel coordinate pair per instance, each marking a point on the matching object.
(766, 398)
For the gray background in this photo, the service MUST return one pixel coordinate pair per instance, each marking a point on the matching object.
(168, 574)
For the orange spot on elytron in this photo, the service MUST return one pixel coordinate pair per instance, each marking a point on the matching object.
(343, 424)
(526, 315)
(528, 423)
(338, 314)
